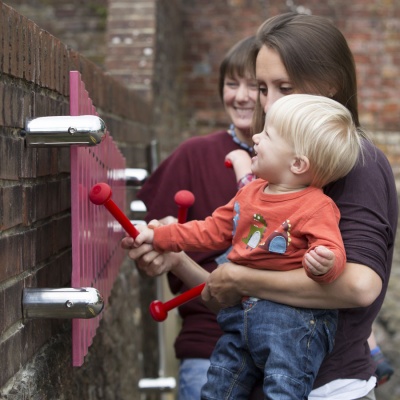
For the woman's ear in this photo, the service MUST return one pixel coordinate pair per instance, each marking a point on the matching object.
(300, 165)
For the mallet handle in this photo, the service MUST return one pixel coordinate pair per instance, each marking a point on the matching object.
(159, 310)
(184, 297)
(100, 194)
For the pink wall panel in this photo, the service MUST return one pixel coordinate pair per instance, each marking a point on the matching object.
(96, 254)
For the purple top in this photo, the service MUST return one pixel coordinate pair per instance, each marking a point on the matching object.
(367, 200)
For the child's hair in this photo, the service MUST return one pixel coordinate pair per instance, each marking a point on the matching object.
(320, 129)
(236, 61)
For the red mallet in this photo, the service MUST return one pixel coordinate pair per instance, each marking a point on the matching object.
(184, 199)
(159, 310)
(228, 163)
(100, 194)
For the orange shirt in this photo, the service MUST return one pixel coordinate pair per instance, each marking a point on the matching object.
(266, 231)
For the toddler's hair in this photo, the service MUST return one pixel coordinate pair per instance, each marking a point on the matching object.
(320, 129)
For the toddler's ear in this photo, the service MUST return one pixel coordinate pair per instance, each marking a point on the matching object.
(300, 165)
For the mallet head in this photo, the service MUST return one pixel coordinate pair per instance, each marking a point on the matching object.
(184, 198)
(100, 193)
(157, 311)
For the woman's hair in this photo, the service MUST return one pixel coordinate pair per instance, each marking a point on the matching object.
(320, 129)
(236, 62)
(316, 56)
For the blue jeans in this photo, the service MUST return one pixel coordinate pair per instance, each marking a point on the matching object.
(262, 339)
(192, 377)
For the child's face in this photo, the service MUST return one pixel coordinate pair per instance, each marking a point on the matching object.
(240, 96)
(274, 155)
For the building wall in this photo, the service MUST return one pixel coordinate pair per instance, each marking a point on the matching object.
(80, 24)
(192, 37)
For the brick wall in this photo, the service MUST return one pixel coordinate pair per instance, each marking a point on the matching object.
(35, 220)
(131, 28)
(145, 51)
(193, 35)
(80, 24)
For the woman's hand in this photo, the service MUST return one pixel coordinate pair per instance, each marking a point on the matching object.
(154, 264)
(221, 286)
(147, 259)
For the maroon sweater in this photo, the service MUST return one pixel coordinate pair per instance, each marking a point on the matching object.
(367, 200)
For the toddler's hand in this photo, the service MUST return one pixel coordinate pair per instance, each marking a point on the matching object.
(146, 235)
(238, 156)
(319, 260)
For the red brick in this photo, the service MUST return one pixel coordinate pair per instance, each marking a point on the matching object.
(10, 305)
(17, 253)
(11, 351)
(10, 206)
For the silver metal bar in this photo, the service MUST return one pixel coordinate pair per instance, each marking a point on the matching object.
(61, 303)
(138, 206)
(62, 131)
(153, 155)
(135, 176)
(160, 384)
(163, 383)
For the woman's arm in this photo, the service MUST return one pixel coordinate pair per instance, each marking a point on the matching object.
(357, 286)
